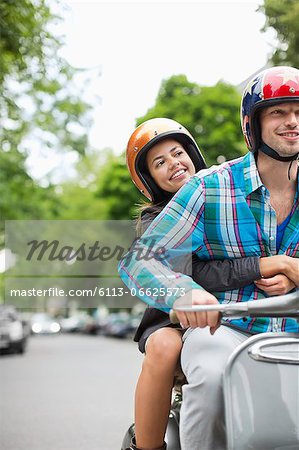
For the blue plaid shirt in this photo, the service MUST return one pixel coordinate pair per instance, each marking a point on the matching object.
(222, 212)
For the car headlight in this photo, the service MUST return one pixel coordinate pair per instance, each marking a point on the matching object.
(16, 331)
(36, 328)
(55, 327)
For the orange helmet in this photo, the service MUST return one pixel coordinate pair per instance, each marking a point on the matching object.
(143, 139)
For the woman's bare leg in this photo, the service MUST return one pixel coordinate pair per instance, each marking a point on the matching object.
(154, 387)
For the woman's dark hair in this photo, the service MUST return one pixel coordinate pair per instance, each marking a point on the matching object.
(146, 213)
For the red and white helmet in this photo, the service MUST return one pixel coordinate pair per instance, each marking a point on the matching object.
(272, 86)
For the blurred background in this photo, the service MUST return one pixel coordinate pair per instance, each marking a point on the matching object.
(76, 78)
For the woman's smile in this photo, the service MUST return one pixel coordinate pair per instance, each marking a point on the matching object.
(169, 165)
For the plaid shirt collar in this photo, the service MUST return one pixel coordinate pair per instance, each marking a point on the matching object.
(252, 178)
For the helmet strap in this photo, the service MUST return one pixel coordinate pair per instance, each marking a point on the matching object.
(273, 154)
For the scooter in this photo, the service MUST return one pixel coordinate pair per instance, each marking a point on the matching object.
(260, 382)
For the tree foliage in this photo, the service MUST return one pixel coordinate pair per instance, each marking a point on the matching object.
(39, 105)
(20, 196)
(116, 187)
(36, 84)
(283, 16)
(210, 113)
(79, 197)
(101, 190)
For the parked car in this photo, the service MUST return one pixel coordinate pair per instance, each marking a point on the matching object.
(77, 322)
(13, 334)
(42, 323)
(85, 322)
(121, 325)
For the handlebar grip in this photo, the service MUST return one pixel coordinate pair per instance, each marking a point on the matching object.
(173, 317)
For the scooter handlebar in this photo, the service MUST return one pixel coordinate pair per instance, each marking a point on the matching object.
(280, 306)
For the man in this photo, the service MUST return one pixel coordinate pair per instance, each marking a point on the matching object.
(246, 207)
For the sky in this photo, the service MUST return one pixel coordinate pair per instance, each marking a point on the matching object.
(128, 48)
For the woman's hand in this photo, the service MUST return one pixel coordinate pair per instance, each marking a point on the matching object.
(292, 269)
(280, 264)
(277, 285)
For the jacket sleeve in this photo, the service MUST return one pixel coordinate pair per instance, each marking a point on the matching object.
(226, 275)
(219, 276)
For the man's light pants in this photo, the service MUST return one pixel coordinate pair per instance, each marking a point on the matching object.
(203, 360)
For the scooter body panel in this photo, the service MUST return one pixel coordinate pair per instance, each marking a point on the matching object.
(172, 436)
(261, 392)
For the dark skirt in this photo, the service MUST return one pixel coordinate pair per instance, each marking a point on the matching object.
(153, 319)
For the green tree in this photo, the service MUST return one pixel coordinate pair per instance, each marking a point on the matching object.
(211, 114)
(36, 83)
(116, 187)
(20, 196)
(102, 189)
(39, 105)
(283, 16)
(79, 197)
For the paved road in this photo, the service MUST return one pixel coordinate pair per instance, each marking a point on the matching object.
(68, 392)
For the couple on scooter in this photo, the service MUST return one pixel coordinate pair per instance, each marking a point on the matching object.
(243, 217)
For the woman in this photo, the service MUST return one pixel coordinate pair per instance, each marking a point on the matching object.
(162, 156)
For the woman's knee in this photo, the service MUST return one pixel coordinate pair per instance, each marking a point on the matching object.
(164, 345)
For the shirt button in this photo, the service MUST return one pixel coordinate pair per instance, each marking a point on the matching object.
(271, 238)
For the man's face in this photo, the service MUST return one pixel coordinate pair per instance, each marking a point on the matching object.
(280, 127)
